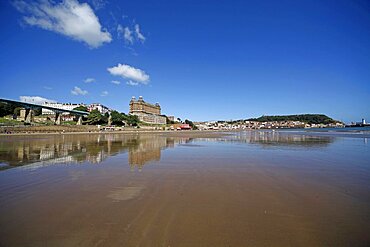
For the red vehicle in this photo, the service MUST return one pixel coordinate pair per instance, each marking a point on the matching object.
(185, 127)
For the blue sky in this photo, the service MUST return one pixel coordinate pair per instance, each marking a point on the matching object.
(202, 60)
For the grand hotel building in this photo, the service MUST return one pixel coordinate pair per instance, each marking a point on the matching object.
(146, 112)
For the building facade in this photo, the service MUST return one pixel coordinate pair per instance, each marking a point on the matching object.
(97, 106)
(64, 106)
(146, 112)
(70, 106)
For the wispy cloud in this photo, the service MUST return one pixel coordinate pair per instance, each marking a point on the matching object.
(78, 91)
(126, 33)
(116, 82)
(104, 93)
(130, 36)
(69, 17)
(89, 80)
(132, 83)
(98, 4)
(47, 88)
(131, 73)
(139, 35)
(34, 99)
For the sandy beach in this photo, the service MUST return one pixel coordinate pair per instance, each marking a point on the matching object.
(185, 189)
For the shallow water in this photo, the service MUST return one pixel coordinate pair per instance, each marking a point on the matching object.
(256, 188)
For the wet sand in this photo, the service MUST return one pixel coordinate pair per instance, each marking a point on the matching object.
(197, 193)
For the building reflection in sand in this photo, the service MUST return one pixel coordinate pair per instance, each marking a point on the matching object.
(34, 152)
(38, 151)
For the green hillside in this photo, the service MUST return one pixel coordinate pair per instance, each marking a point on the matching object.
(306, 118)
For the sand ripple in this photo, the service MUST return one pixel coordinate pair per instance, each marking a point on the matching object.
(125, 193)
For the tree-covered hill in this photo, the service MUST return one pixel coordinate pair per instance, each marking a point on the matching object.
(306, 118)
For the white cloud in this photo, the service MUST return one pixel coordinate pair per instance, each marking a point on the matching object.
(127, 34)
(139, 35)
(78, 91)
(132, 83)
(131, 73)
(104, 93)
(116, 82)
(89, 80)
(34, 99)
(69, 17)
(47, 88)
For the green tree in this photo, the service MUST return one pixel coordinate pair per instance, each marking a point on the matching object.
(117, 118)
(168, 121)
(131, 120)
(81, 108)
(192, 125)
(95, 117)
(17, 111)
(37, 111)
(6, 109)
(306, 118)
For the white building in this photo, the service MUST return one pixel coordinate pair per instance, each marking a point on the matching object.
(70, 106)
(97, 106)
(64, 106)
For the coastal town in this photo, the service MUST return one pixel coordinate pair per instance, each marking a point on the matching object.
(248, 125)
(142, 115)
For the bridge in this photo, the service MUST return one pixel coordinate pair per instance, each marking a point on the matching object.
(30, 107)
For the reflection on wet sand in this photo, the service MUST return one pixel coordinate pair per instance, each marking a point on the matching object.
(42, 151)
(209, 190)
(275, 138)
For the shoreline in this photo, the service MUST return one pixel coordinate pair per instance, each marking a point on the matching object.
(315, 132)
(118, 132)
